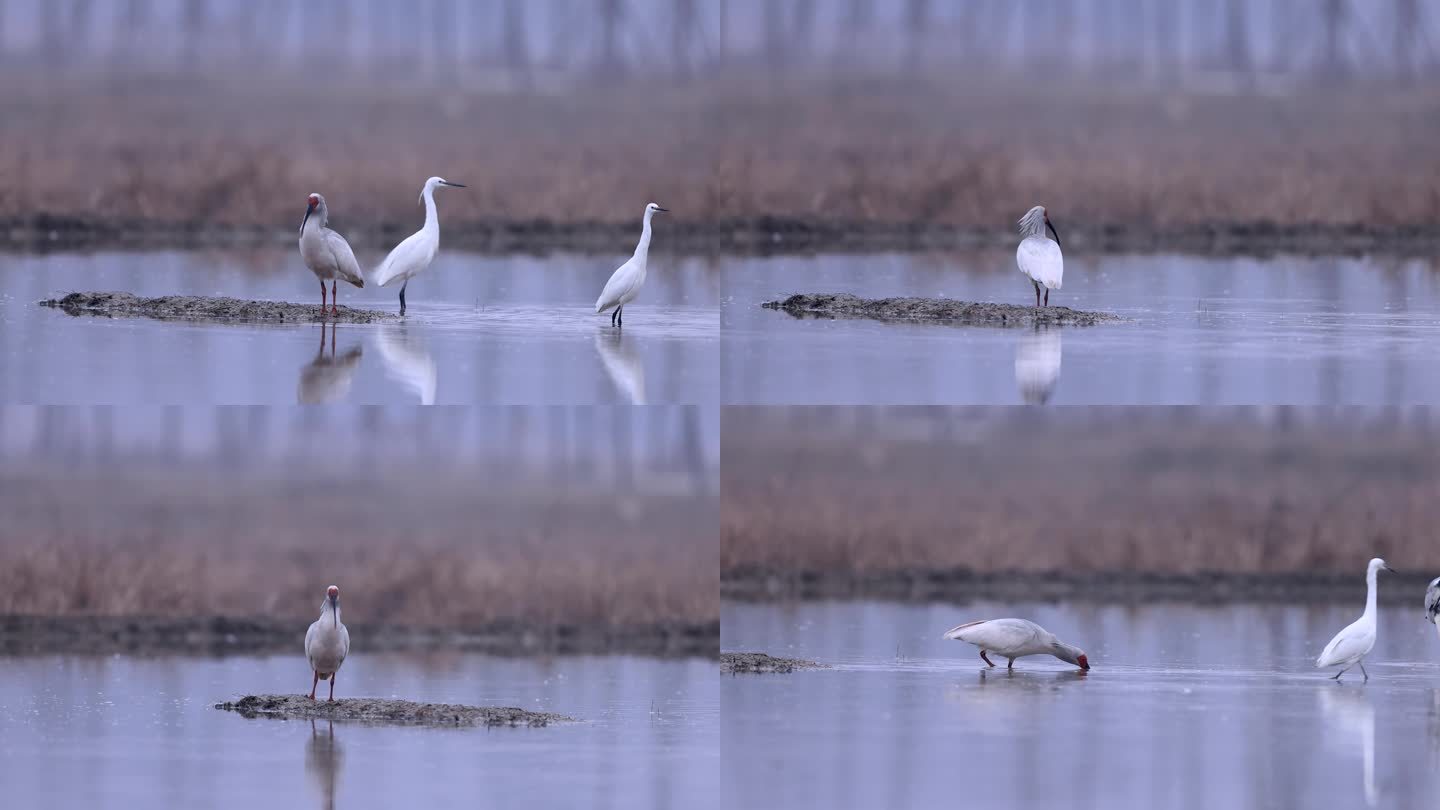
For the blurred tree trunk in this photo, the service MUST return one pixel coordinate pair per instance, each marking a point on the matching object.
(194, 21)
(855, 28)
(684, 24)
(1334, 15)
(1237, 41)
(917, 24)
(517, 45)
(775, 35)
(612, 13)
(1407, 30)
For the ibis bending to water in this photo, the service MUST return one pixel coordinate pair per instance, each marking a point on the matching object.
(624, 283)
(1350, 646)
(1038, 255)
(418, 250)
(327, 642)
(326, 252)
(1013, 638)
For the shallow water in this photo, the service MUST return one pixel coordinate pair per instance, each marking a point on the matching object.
(122, 732)
(1206, 330)
(513, 329)
(1183, 707)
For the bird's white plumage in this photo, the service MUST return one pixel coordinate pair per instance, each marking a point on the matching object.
(1015, 638)
(625, 282)
(1351, 645)
(413, 255)
(1432, 603)
(327, 642)
(326, 252)
(1040, 259)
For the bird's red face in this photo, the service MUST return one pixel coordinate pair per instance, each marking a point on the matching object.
(1083, 662)
(314, 201)
(333, 592)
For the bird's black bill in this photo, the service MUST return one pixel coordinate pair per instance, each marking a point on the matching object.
(1052, 231)
(660, 210)
(308, 212)
(452, 185)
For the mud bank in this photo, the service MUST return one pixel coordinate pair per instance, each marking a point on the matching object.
(206, 308)
(940, 310)
(217, 635)
(760, 663)
(753, 584)
(761, 235)
(377, 711)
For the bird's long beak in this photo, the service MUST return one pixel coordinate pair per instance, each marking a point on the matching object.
(452, 185)
(308, 211)
(1391, 570)
(660, 210)
(1052, 230)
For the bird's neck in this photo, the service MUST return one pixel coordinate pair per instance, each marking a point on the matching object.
(1370, 595)
(643, 247)
(432, 220)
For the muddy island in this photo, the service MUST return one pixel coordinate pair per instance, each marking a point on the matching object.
(206, 308)
(760, 663)
(387, 712)
(964, 313)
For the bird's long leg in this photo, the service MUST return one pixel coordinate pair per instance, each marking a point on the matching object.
(620, 315)
(315, 684)
(322, 296)
(335, 297)
(332, 686)
(1047, 296)
(1337, 675)
(1010, 665)
(613, 313)
(1037, 292)
(402, 296)
(987, 659)
(1363, 672)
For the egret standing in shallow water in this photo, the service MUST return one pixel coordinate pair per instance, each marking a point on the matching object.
(1038, 255)
(418, 250)
(624, 283)
(1351, 645)
(326, 252)
(327, 642)
(1013, 638)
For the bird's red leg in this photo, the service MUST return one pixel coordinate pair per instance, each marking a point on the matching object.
(322, 297)
(987, 660)
(332, 686)
(316, 683)
(335, 298)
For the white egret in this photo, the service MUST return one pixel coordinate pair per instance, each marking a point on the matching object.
(327, 642)
(1350, 646)
(326, 252)
(624, 283)
(1432, 603)
(413, 255)
(1014, 638)
(1039, 256)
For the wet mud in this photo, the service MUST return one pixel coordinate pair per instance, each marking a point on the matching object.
(207, 308)
(940, 310)
(761, 663)
(379, 711)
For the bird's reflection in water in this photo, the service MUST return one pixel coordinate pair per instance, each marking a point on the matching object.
(323, 758)
(1037, 365)
(621, 359)
(1350, 719)
(407, 362)
(327, 378)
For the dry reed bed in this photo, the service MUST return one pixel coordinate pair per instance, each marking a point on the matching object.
(877, 152)
(423, 551)
(1163, 492)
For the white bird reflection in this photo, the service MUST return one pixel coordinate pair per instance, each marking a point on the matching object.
(1037, 365)
(327, 379)
(1350, 718)
(407, 362)
(323, 758)
(621, 360)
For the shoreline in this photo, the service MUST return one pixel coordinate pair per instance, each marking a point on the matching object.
(762, 235)
(961, 586)
(22, 635)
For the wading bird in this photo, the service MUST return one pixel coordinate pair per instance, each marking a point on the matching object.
(1014, 638)
(1432, 603)
(327, 642)
(418, 250)
(1351, 645)
(1038, 255)
(624, 283)
(326, 252)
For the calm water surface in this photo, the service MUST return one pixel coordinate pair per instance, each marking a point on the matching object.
(479, 329)
(1206, 330)
(122, 732)
(1183, 707)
